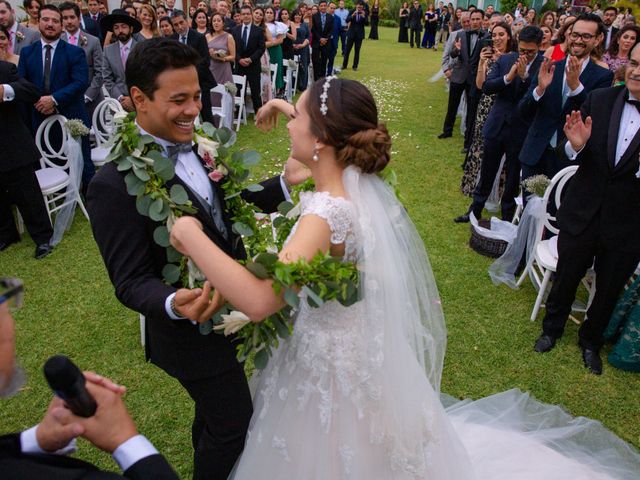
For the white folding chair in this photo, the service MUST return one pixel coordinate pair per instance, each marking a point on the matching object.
(53, 177)
(273, 67)
(239, 101)
(290, 78)
(103, 127)
(218, 111)
(545, 259)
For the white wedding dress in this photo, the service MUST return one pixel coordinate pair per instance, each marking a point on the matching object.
(353, 393)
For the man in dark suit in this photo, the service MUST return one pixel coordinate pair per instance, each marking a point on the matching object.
(415, 23)
(18, 182)
(250, 45)
(466, 50)
(599, 217)
(504, 130)
(61, 72)
(557, 90)
(158, 71)
(194, 39)
(608, 17)
(223, 9)
(356, 20)
(321, 32)
(39, 453)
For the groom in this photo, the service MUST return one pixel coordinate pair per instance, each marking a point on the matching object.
(162, 79)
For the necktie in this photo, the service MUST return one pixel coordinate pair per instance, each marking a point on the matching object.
(47, 69)
(124, 53)
(322, 19)
(95, 18)
(72, 40)
(10, 42)
(245, 35)
(183, 39)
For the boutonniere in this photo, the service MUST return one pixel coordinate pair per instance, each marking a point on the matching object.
(208, 151)
(19, 36)
(83, 41)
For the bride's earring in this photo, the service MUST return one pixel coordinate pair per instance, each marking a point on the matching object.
(315, 157)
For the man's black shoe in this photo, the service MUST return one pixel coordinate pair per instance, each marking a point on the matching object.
(43, 250)
(592, 360)
(462, 218)
(355, 69)
(445, 135)
(544, 343)
(7, 244)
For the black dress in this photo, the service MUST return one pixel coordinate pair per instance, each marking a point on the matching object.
(287, 47)
(375, 15)
(403, 34)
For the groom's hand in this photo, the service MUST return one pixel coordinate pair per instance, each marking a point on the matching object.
(196, 304)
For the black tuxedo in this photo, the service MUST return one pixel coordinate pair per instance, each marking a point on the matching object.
(599, 217)
(254, 49)
(205, 365)
(199, 42)
(320, 53)
(414, 20)
(355, 35)
(17, 465)
(18, 182)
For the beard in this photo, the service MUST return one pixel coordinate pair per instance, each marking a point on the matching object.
(50, 34)
(124, 37)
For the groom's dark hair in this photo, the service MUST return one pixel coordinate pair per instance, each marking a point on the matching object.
(150, 58)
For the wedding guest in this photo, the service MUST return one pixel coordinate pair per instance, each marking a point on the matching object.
(321, 31)
(557, 52)
(32, 7)
(265, 63)
(131, 11)
(357, 20)
(442, 32)
(301, 48)
(547, 35)
(548, 19)
(335, 40)
(508, 19)
(623, 330)
(597, 219)
(415, 23)
(149, 22)
(223, 9)
(342, 13)
(608, 17)
(276, 8)
(192, 11)
(455, 20)
(430, 27)
(617, 55)
(374, 19)
(531, 17)
(19, 35)
(5, 56)
(200, 21)
(166, 28)
(161, 12)
(93, 6)
(170, 6)
(290, 36)
(403, 32)
(222, 50)
(250, 46)
(274, 46)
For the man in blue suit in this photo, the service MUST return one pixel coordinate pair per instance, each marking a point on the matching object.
(505, 129)
(61, 72)
(559, 89)
(335, 39)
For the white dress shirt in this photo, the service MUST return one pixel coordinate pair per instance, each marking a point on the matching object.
(54, 45)
(9, 95)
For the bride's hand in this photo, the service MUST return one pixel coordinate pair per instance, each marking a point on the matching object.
(267, 116)
(181, 229)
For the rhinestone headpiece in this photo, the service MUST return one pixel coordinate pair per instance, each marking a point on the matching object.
(325, 95)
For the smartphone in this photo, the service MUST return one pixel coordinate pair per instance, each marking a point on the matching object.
(11, 292)
(486, 42)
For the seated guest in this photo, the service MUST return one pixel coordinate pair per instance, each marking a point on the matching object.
(599, 219)
(618, 53)
(40, 453)
(5, 43)
(123, 26)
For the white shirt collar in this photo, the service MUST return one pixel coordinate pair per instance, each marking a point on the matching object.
(54, 44)
(14, 29)
(77, 34)
(632, 96)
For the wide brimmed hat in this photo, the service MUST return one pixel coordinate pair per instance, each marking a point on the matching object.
(119, 16)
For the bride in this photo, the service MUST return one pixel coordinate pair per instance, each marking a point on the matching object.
(354, 393)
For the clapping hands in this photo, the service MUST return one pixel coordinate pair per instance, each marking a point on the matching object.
(577, 131)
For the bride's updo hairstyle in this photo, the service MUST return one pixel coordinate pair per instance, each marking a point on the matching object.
(350, 124)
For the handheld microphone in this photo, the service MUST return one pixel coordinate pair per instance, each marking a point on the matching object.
(67, 382)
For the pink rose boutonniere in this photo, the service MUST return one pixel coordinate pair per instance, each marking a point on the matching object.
(19, 36)
(83, 41)
(208, 151)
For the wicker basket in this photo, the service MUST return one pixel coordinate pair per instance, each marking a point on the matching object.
(489, 247)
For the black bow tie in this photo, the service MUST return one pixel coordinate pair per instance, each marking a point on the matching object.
(635, 103)
(175, 150)
(472, 32)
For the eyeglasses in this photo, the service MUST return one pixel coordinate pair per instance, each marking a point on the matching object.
(527, 51)
(11, 292)
(584, 36)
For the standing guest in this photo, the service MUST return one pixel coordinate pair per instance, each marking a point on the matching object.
(504, 129)
(403, 32)
(558, 89)
(442, 32)
(274, 46)
(223, 9)
(430, 27)
(617, 55)
(93, 6)
(335, 40)
(548, 19)
(453, 67)
(170, 6)
(161, 11)
(92, 51)
(598, 218)
(160, 71)
(321, 31)
(19, 35)
(87, 24)
(198, 41)
(200, 22)
(547, 35)
(192, 11)
(32, 7)
(375, 17)
(222, 50)
(301, 48)
(122, 26)
(508, 19)
(415, 23)
(250, 46)
(166, 28)
(18, 182)
(237, 19)
(343, 13)
(5, 56)
(357, 20)
(501, 44)
(557, 52)
(149, 22)
(61, 72)
(608, 17)
(290, 36)
(265, 64)
(455, 20)
(276, 8)
(531, 17)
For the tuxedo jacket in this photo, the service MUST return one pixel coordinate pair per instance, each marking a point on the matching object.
(68, 81)
(199, 42)
(600, 191)
(93, 53)
(415, 18)
(317, 32)
(18, 146)
(135, 262)
(468, 58)
(30, 37)
(356, 25)
(16, 465)
(504, 112)
(547, 116)
(254, 49)
(113, 75)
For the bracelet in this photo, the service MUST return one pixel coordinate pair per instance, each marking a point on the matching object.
(172, 306)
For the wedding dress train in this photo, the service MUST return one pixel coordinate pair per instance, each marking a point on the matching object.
(353, 394)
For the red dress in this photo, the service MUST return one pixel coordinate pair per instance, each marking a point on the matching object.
(557, 53)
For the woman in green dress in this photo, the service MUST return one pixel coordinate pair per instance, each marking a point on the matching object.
(624, 329)
(278, 31)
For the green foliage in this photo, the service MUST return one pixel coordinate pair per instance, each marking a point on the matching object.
(388, 23)
(510, 5)
(624, 4)
(549, 6)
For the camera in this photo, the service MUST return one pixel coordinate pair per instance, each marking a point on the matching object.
(486, 42)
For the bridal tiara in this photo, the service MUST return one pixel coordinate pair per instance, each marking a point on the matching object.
(324, 96)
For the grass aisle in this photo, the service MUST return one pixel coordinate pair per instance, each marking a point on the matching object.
(70, 306)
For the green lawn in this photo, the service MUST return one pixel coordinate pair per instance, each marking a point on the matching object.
(70, 307)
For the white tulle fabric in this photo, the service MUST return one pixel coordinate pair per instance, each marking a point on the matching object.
(353, 393)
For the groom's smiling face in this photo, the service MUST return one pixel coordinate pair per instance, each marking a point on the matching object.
(170, 112)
